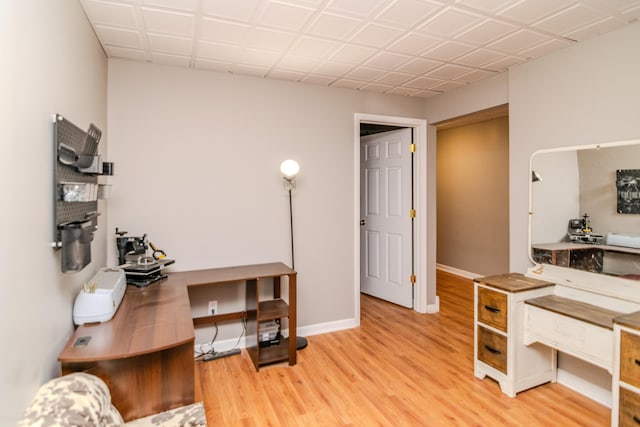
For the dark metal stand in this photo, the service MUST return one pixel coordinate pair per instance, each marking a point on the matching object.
(301, 342)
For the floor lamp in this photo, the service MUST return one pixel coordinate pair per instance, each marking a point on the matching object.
(290, 169)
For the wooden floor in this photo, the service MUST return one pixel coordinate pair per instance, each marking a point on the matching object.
(399, 368)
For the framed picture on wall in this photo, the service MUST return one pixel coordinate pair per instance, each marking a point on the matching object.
(628, 191)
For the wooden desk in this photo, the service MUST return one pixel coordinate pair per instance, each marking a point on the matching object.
(145, 353)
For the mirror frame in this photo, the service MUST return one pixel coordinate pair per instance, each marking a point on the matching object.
(580, 279)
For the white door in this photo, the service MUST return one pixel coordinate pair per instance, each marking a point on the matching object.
(385, 226)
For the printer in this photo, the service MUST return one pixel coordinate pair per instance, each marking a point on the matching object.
(99, 299)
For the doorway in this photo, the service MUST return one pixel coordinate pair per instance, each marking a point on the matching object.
(386, 223)
(424, 297)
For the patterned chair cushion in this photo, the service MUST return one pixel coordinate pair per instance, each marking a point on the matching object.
(77, 399)
(185, 416)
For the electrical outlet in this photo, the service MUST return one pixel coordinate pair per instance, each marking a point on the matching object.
(213, 307)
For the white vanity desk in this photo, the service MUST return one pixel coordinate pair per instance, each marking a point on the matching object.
(594, 318)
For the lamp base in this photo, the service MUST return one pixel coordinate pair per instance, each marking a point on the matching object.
(301, 342)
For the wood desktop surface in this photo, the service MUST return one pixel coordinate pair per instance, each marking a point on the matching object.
(145, 353)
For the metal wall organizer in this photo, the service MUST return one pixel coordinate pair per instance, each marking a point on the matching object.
(76, 191)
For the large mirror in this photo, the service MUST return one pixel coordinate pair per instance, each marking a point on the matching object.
(585, 208)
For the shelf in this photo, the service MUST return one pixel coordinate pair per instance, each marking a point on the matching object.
(273, 309)
(274, 353)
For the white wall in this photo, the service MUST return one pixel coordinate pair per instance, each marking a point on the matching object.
(197, 159)
(584, 94)
(51, 63)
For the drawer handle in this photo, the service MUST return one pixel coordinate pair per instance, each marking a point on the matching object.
(492, 350)
(637, 361)
(492, 309)
(636, 419)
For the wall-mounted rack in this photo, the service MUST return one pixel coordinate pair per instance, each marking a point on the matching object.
(77, 166)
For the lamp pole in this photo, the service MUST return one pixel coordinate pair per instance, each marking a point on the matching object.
(289, 169)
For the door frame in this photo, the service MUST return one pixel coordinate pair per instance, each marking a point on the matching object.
(419, 127)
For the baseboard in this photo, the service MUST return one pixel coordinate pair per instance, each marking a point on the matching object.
(303, 331)
(434, 308)
(458, 272)
(580, 385)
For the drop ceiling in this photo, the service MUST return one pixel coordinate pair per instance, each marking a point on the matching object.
(414, 48)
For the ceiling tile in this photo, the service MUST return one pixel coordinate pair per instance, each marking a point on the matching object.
(349, 84)
(334, 69)
(423, 83)
(449, 22)
(415, 44)
(486, 32)
(406, 13)
(112, 14)
(447, 51)
(528, 11)
(448, 72)
(123, 52)
(364, 74)
(170, 44)
(479, 58)
(285, 16)
(402, 91)
(215, 30)
(387, 60)
(376, 35)
(595, 29)
(119, 37)
(207, 64)
(314, 47)
(186, 5)
(376, 87)
(352, 54)
(167, 59)
(394, 78)
(503, 63)
(333, 26)
(426, 94)
(317, 79)
(373, 45)
(259, 58)
(632, 14)
(303, 64)
(232, 9)
(285, 75)
(249, 70)
(476, 75)
(544, 48)
(419, 66)
(487, 5)
(173, 23)
(218, 52)
(361, 8)
(521, 40)
(568, 19)
(445, 86)
(262, 38)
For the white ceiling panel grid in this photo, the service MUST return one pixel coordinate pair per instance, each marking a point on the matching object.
(402, 47)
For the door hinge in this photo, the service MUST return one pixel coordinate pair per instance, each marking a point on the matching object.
(412, 213)
(412, 148)
(412, 279)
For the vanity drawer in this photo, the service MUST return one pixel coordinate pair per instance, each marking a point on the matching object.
(629, 409)
(630, 358)
(492, 349)
(492, 308)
